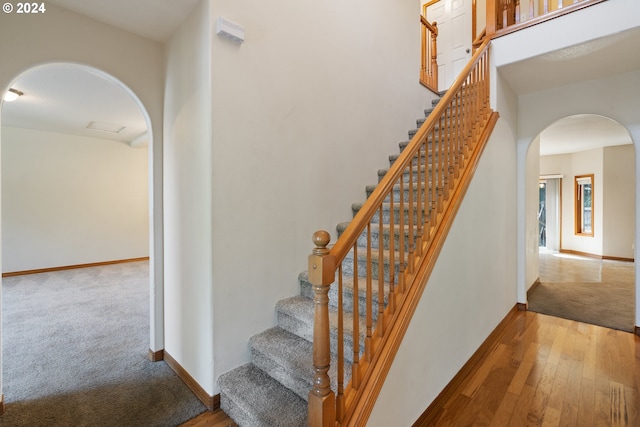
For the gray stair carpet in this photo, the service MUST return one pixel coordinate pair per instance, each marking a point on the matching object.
(272, 390)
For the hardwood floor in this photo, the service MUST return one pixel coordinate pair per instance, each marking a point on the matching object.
(547, 371)
(216, 418)
(540, 371)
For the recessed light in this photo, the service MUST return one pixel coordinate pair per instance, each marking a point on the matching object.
(105, 127)
(12, 94)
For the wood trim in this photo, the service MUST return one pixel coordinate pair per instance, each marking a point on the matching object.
(594, 256)
(636, 330)
(156, 356)
(617, 258)
(428, 417)
(71, 267)
(2, 407)
(211, 402)
(533, 287)
(522, 306)
(374, 379)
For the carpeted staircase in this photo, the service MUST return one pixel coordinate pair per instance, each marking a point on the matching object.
(272, 389)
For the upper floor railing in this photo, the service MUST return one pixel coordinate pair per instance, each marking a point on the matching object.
(429, 55)
(506, 16)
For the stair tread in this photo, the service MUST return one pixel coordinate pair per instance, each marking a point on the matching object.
(347, 285)
(291, 359)
(302, 308)
(287, 349)
(247, 387)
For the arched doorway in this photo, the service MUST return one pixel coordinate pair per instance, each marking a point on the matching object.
(90, 82)
(588, 162)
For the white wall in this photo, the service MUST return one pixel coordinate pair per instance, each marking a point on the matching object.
(532, 201)
(304, 113)
(470, 290)
(619, 201)
(187, 196)
(582, 163)
(614, 198)
(71, 200)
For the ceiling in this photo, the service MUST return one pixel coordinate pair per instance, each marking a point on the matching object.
(153, 19)
(65, 98)
(582, 132)
(68, 98)
(72, 99)
(595, 59)
(615, 54)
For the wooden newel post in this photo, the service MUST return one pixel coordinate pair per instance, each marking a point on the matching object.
(434, 55)
(322, 400)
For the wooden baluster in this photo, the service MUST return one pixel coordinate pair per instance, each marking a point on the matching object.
(340, 402)
(443, 192)
(355, 367)
(450, 146)
(492, 26)
(487, 71)
(434, 57)
(434, 179)
(401, 264)
(418, 210)
(505, 14)
(427, 189)
(380, 323)
(410, 207)
(368, 354)
(423, 53)
(322, 405)
(392, 265)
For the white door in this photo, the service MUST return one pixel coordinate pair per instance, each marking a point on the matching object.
(454, 38)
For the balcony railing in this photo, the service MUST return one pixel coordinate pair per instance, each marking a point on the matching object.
(506, 16)
(429, 67)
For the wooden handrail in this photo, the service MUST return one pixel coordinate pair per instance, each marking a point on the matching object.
(505, 16)
(479, 40)
(424, 186)
(429, 55)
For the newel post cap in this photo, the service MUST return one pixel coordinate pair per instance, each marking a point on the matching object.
(321, 239)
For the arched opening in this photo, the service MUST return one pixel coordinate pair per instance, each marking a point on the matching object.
(49, 90)
(581, 214)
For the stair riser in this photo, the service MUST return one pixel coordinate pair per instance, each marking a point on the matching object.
(386, 216)
(347, 297)
(242, 418)
(395, 195)
(305, 330)
(386, 240)
(299, 386)
(348, 267)
(429, 149)
(429, 165)
(415, 174)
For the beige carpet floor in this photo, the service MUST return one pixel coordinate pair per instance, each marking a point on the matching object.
(599, 292)
(75, 346)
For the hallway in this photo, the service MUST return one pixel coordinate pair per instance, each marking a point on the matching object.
(546, 371)
(589, 290)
